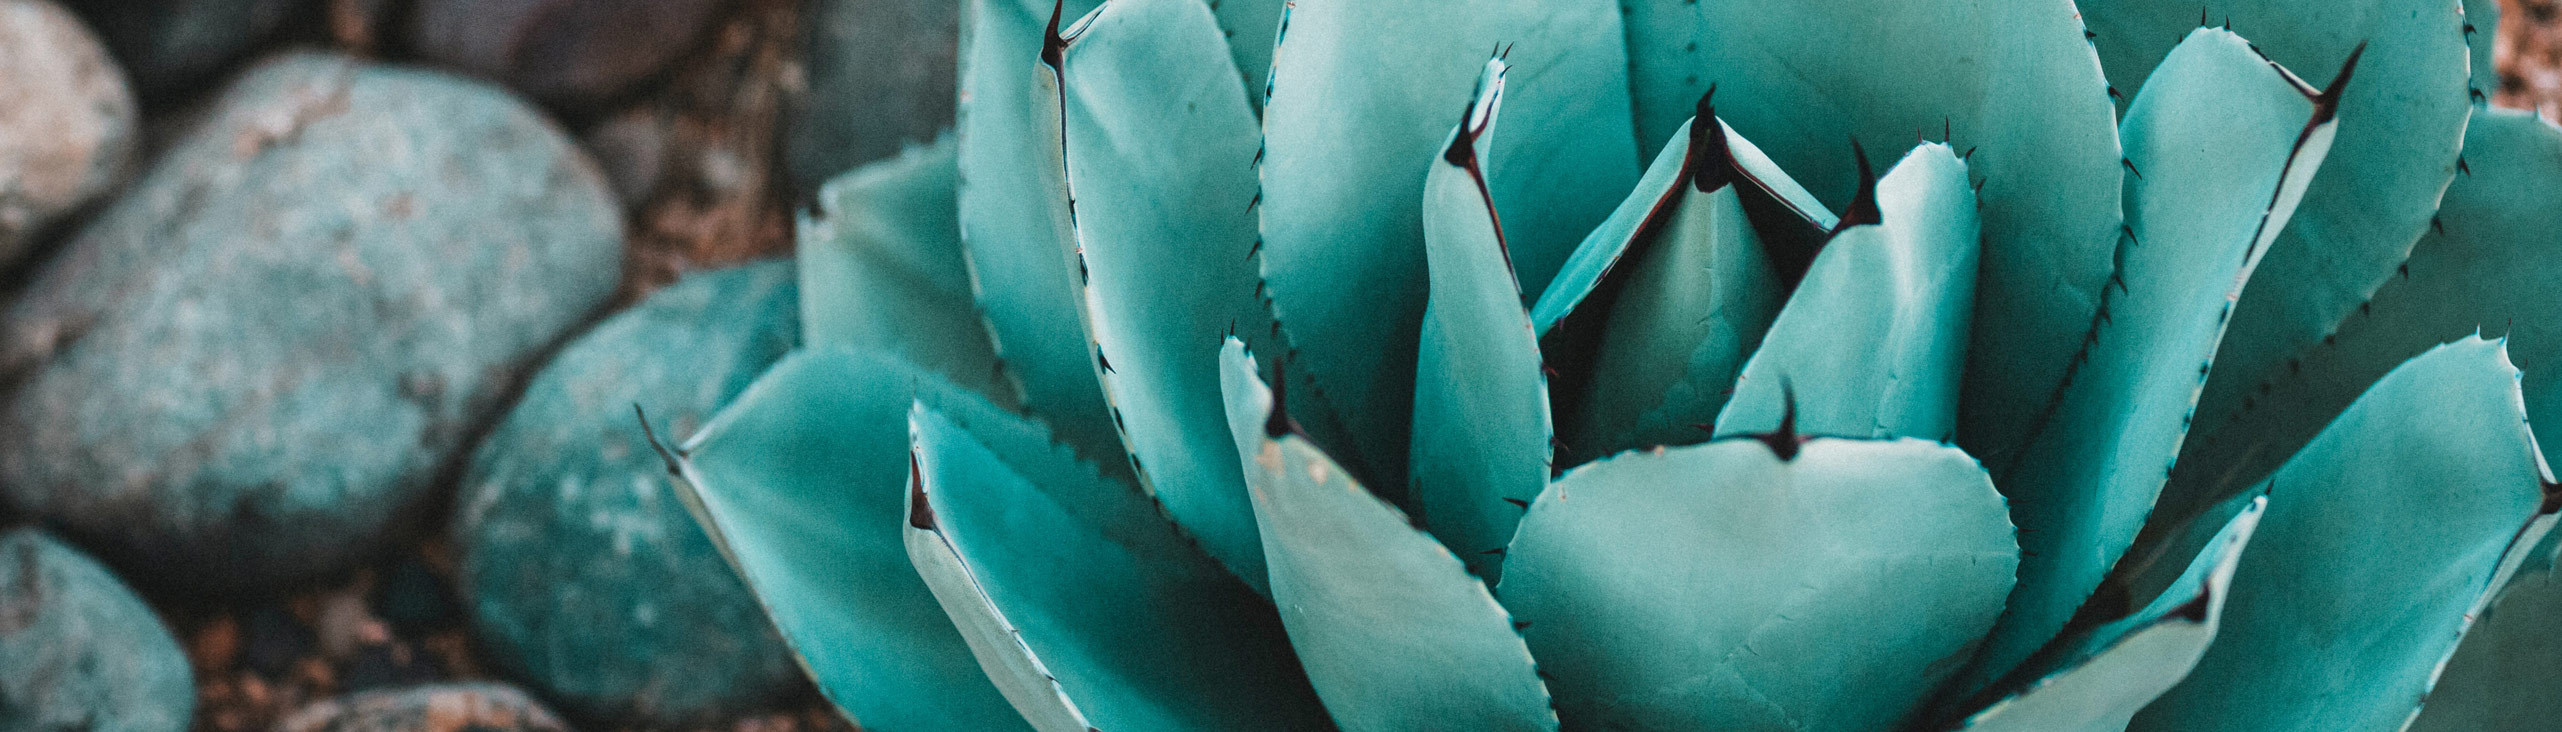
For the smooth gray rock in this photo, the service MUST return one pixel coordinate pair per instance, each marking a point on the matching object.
(78, 650)
(171, 47)
(880, 79)
(466, 707)
(584, 574)
(254, 364)
(572, 54)
(67, 127)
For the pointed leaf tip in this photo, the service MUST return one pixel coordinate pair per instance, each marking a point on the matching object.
(665, 456)
(920, 513)
(1710, 164)
(2326, 105)
(1863, 204)
(1054, 46)
(1784, 441)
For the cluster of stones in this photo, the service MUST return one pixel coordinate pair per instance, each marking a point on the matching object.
(331, 302)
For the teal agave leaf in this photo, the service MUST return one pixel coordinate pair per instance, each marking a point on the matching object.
(2401, 126)
(2221, 145)
(2382, 541)
(1083, 604)
(2485, 267)
(1025, 471)
(880, 259)
(1481, 421)
(1874, 338)
(1395, 633)
(1162, 237)
(2011, 82)
(1656, 311)
(1747, 583)
(798, 482)
(1012, 197)
(2097, 680)
(1342, 225)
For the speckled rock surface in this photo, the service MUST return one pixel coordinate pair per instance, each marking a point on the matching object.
(479, 707)
(67, 127)
(253, 365)
(880, 78)
(568, 53)
(583, 572)
(78, 650)
(171, 47)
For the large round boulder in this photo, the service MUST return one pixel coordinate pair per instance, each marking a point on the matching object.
(253, 365)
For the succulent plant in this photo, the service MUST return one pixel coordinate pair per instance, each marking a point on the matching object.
(1507, 365)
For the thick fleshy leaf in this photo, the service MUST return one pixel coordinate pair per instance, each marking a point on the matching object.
(1874, 339)
(2481, 32)
(799, 482)
(2489, 266)
(2098, 680)
(2221, 144)
(2012, 81)
(1160, 156)
(881, 269)
(1251, 28)
(1481, 428)
(2501, 678)
(1653, 316)
(1395, 633)
(1760, 583)
(1086, 607)
(2401, 126)
(1014, 221)
(2382, 538)
(1361, 97)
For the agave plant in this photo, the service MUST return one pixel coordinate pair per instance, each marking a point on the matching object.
(1232, 368)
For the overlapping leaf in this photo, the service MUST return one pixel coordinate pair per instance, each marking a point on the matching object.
(1394, 632)
(1749, 584)
(2221, 143)
(1083, 604)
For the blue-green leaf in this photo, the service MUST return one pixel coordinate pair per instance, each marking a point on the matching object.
(1362, 93)
(1763, 583)
(2487, 267)
(799, 482)
(2012, 81)
(2097, 680)
(2382, 538)
(1874, 339)
(1394, 631)
(1088, 609)
(881, 269)
(2481, 31)
(1251, 27)
(2401, 126)
(2221, 144)
(1481, 429)
(1653, 316)
(1014, 221)
(2501, 677)
(1160, 157)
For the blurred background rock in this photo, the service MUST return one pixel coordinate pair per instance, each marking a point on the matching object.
(321, 322)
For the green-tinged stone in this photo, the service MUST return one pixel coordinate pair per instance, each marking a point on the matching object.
(584, 574)
(249, 369)
(78, 650)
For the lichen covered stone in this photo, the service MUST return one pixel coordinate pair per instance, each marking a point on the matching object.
(255, 363)
(584, 574)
